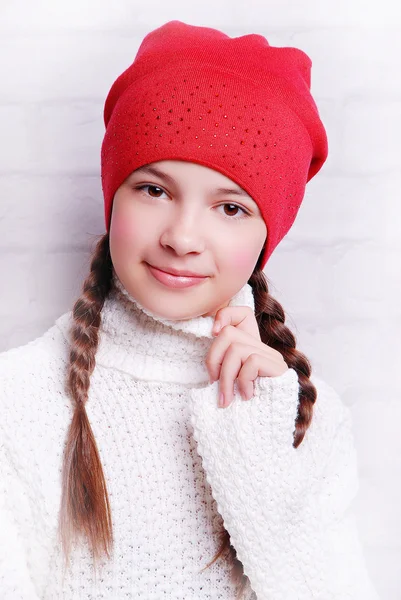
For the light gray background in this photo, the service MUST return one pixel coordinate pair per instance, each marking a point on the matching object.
(336, 273)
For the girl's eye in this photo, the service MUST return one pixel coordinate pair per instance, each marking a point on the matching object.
(154, 187)
(233, 206)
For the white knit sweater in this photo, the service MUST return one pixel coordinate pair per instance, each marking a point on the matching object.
(176, 465)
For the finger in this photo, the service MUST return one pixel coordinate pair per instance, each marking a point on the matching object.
(230, 368)
(256, 366)
(249, 371)
(245, 371)
(229, 336)
(248, 388)
(241, 317)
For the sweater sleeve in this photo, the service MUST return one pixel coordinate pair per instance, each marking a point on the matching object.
(286, 516)
(15, 579)
(344, 570)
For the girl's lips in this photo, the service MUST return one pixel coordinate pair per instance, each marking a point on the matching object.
(173, 281)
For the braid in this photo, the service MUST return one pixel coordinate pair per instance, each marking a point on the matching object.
(270, 318)
(84, 499)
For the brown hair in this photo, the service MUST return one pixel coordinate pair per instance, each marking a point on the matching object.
(85, 507)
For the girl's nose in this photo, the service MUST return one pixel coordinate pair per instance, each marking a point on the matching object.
(184, 235)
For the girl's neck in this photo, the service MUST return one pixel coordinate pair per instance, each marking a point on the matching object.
(134, 340)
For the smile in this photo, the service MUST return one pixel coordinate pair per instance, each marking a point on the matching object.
(174, 281)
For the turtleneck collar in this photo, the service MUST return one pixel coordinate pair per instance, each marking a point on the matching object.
(134, 340)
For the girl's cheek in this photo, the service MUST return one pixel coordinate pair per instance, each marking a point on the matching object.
(125, 229)
(120, 227)
(243, 260)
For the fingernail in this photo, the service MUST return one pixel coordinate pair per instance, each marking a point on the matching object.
(217, 327)
(221, 400)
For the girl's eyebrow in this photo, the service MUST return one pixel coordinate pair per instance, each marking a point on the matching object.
(153, 171)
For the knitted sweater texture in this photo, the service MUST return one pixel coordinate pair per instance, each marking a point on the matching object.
(178, 468)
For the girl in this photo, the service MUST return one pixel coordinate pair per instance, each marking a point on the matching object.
(165, 438)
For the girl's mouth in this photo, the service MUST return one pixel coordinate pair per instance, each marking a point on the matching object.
(174, 281)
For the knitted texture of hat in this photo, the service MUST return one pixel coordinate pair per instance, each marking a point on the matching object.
(236, 105)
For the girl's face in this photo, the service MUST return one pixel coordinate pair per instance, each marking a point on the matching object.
(183, 215)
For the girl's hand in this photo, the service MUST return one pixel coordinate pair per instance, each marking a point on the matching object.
(239, 353)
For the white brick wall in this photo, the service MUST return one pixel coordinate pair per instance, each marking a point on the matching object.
(337, 271)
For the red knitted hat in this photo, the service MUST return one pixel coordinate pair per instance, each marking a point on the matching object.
(236, 105)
